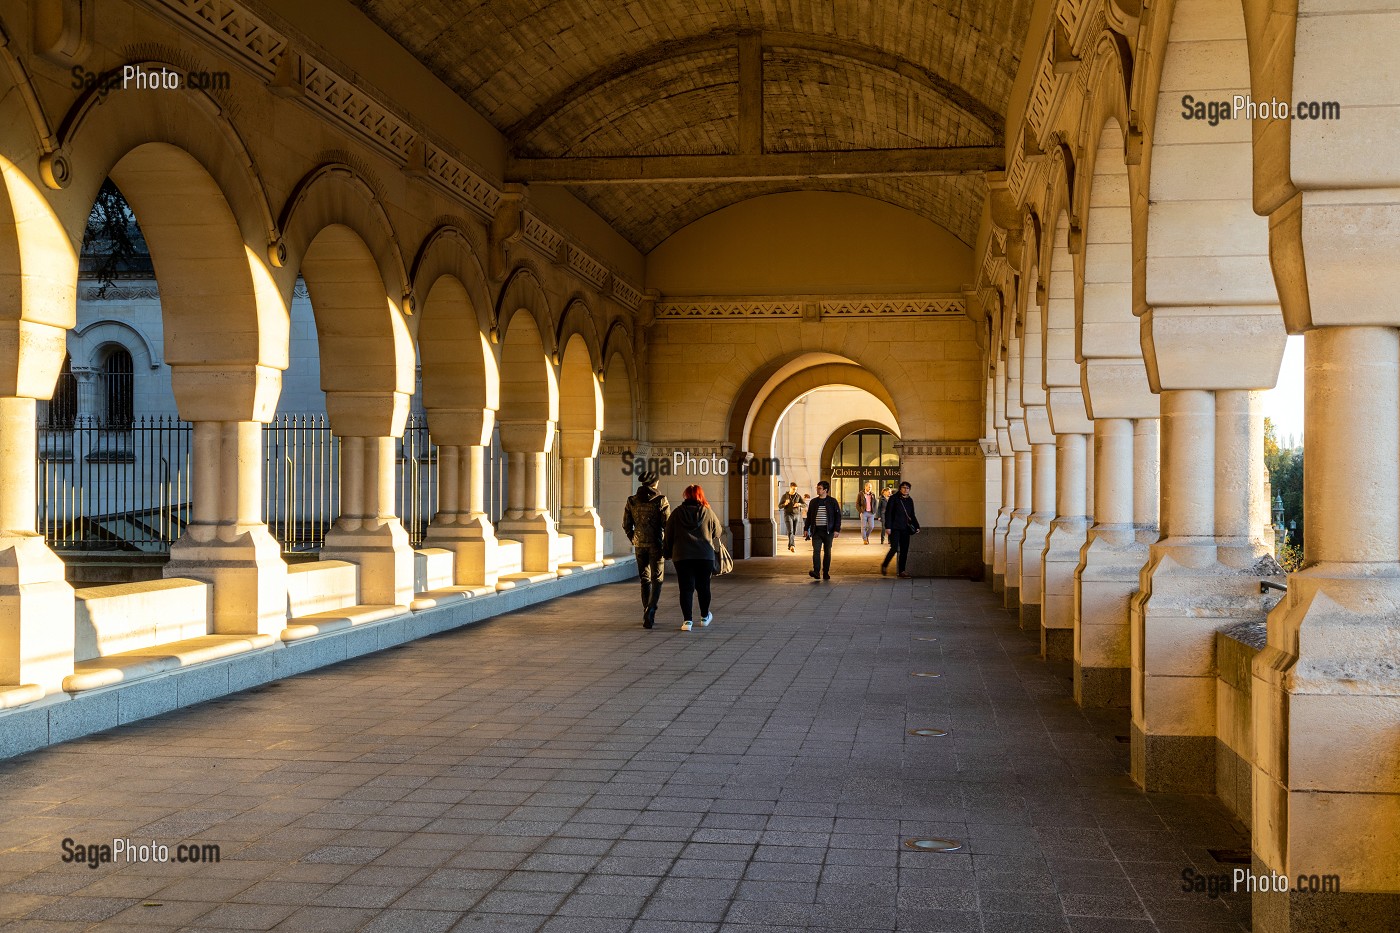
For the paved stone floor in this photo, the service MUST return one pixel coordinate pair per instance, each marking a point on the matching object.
(563, 769)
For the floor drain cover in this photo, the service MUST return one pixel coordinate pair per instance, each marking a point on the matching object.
(933, 845)
(924, 638)
(926, 674)
(928, 732)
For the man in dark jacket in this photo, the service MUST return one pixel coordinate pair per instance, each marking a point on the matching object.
(644, 521)
(822, 526)
(900, 522)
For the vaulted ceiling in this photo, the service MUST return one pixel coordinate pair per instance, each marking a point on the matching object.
(570, 78)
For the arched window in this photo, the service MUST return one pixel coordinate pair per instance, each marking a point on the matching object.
(115, 389)
(63, 407)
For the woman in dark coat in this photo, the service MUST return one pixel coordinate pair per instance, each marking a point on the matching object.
(692, 542)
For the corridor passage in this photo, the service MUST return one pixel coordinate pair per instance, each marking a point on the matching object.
(563, 769)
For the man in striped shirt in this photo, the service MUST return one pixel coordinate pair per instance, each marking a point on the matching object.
(822, 526)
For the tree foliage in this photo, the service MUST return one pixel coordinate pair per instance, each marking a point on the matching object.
(1285, 466)
(113, 246)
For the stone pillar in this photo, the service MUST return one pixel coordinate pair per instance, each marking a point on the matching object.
(528, 520)
(1106, 575)
(1147, 479)
(1037, 531)
(619, 474)
(1326, 694)
(1202, 576)
(946, 480)
(1008, 505)
(89, 409)
(579, 516)
(1020, 516)
(36, 602)
(368, 532)
(991, 490)
(1067, 535)
(226, 543)
(461, 524)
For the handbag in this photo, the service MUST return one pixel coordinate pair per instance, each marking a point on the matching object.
(724, 561)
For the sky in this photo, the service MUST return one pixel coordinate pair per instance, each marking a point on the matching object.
(1284, 402)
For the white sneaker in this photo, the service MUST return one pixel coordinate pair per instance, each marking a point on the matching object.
(709, 617)
(685, 626)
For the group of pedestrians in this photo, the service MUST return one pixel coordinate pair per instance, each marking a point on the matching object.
(690, 537)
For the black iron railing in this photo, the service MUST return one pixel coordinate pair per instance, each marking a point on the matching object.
(115, 489)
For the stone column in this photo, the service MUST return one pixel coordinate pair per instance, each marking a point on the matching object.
(528, 520)
(619, 470)
(1008, 505)
(89, 410)
(461, 524)
(226, 543)
(946, 480)
(991, 490)
(1016, 526)
(1037, 531)
(1326, 695)
(1106, 575)
(1068, 532)
(36, 602)
(368, 532)
(1202, 576)
(579, 516)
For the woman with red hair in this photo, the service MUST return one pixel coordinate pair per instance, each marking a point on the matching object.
(692, 542)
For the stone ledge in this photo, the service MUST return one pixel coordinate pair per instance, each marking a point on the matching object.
(128, 666)
(431, 599)
(49, 720)
(334, 620)
(12, 695)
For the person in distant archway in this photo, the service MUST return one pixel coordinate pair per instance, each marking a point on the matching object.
(901, 522)
(823, 525)
(644, 523)
(693, 540)
(865, 505)
(791, 505)
(880, 510)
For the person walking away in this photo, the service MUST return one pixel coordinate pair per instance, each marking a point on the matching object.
(823, 525)
(901, 522)
(865, 505)
(644, 522)
(880, 511)
(693, 539)
(791, 504)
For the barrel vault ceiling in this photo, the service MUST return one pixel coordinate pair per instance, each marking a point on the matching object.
(571, 78)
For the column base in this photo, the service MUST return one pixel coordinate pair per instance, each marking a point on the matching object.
(1185, 597)
(987, 572)
(36, 614)
(1056, 644)
(385, 559)
(538, 536)
(247, 575)
(1015, 534)
(587, 532)
(762, 536)
(1173, 763)
(472, 542)
(1011, 598)
(998, 583)
(1105, 581)
(1032, 586)
(1300, 912)
(1102, 687)
(1326, 700)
